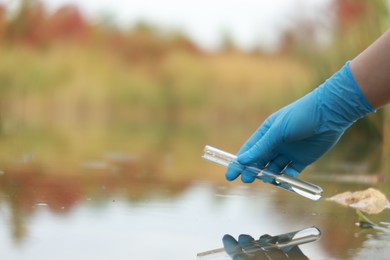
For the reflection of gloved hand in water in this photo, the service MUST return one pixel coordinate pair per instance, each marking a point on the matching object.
(247, 248)
(300, 133)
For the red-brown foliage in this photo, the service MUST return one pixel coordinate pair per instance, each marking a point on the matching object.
(67, 24)
(349, 11)
(33, 26)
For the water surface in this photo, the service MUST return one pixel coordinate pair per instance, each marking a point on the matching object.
(102, 222)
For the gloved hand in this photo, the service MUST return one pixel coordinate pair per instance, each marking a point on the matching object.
(300, 133)
(247, 248)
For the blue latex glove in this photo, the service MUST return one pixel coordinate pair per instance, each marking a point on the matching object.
(300, 133)
(247, 248)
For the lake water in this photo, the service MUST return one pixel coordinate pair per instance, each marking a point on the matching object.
(149, 195)
(100, 219)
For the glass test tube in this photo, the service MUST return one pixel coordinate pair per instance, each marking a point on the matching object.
(297, 238)
(283, 181)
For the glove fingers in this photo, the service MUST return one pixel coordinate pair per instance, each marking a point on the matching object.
(248, 176)
(294, 169)
(278, 164)
(265, 237)
(232, 174)
(231, 245)
(262, 149)
(250, 173)
(245, 239)
(233, 249)
(257, 135)
(233, 171)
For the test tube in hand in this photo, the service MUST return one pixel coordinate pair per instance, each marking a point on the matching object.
(305, 189)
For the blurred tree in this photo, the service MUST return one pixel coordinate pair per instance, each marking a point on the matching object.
(178, 41)
(349, 12)
(28, 24)
(67, 23)
(2, 22)
(145, 28)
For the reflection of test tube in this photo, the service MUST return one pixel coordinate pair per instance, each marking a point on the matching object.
(284, 181)
(297, 238)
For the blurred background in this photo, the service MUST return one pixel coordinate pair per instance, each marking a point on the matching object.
(105, 107)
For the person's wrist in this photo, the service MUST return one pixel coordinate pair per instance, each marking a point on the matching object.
(355, 86)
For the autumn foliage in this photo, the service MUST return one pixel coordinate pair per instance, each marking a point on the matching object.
(33, 26)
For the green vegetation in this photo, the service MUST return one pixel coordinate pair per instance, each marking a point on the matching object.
(72, 91)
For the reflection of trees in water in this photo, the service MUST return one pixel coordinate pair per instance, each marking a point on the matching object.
(17, 220)
(26, 189)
